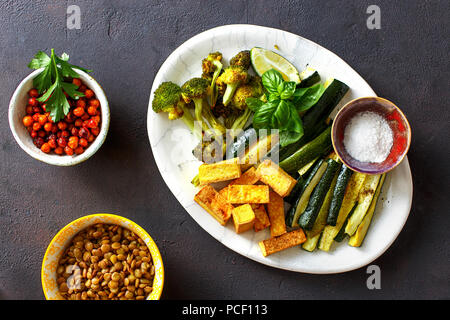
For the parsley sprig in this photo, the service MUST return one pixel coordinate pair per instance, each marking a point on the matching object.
(50, 82)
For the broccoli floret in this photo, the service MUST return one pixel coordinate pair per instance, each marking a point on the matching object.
(168, 98)
(197, 90)
(241, 59)
(212, 67)
(252, 89)
(210, 63)
(233, 77)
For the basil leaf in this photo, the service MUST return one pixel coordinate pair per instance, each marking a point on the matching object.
(262, 119)
(309, 98)
(282, 114)
(288, 90)
(253, 104)
(289, 137)
(272, 81)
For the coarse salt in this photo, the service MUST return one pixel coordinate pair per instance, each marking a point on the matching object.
(368, 137)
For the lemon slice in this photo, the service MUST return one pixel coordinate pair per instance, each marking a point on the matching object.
(263, 60)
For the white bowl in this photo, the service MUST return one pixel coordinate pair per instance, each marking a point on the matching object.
(17, 107)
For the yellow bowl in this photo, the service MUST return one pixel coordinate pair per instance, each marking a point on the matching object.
(65, 235)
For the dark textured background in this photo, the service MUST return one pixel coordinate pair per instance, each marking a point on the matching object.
(125, 42)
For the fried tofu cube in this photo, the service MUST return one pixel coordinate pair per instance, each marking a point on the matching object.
(210, 200)
(261, 219)
(275, 208)
(240, 194)
(285, 241)
(247, 178)
(216, 172)
(243, 218)
(271, 174)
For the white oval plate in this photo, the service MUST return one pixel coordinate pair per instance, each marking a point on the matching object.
(172, 145)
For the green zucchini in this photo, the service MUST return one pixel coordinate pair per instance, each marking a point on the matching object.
(311, 243)
(350, 198)
(307, 153)
(295, 193)
(300, 205)
(308, 217)
(341, 234)
(360, 234)
(303, 171)
(365, 199)
(338, 194)
(335, 90)
(308, 77)
(321, 220)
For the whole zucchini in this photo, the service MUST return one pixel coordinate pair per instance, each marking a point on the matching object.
(308, 217)
(308, 152)
(338, 194)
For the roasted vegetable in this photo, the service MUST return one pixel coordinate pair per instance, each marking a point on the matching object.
(308, 152)
(232, 77)
(308, 217)
(360, 234)
(338, 194)
(167, 98)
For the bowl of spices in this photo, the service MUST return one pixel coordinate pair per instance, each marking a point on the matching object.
(102, 257)
(371, 135)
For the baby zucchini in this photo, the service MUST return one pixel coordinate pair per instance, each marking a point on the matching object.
(360, 234)
(364, 201)
(338, 194)
(308, 152)
(308, 217)
(301, 203)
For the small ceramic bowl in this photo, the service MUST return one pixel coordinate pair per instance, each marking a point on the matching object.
(397, 121)
(63, 238)
(17, 107)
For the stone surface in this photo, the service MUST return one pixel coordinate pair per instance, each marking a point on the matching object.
(125, 42)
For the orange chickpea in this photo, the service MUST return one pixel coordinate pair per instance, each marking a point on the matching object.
(48, 126)
(79, 111)
(73, 142)
(78, 123)
(36, 126)
(81, 103)
(59, 150)
(27, 121)
(29, 109)
(68, 150)
(62, 125)
(94, 103)
(52, 143)
(76, 82)
(46, 148)
(91, 138)
(95, 131)
(79, 150)
(92, 110)
(83, 142)
(42, 120)
(89, 93)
